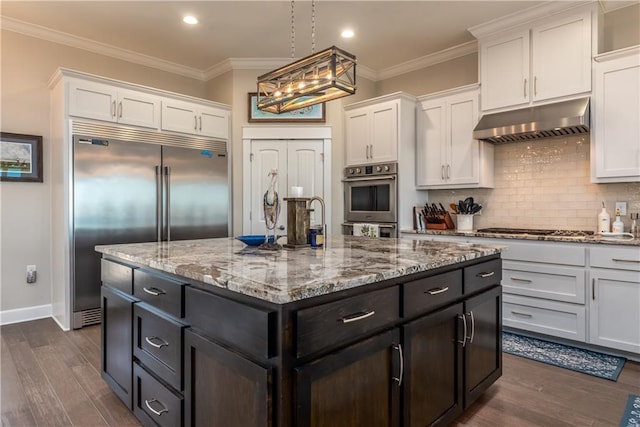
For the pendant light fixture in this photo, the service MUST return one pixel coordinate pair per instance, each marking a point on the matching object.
(320, 77)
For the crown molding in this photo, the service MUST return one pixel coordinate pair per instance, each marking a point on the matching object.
(67, 39)
(429, 60)
(524, 17)
(227, 65)
(609, 6)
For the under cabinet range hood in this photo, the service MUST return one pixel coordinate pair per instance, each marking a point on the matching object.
(564, 118)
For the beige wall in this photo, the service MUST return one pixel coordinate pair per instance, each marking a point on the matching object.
(26, 65)
(622, 28)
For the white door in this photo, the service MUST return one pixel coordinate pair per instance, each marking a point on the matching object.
(431, 151)
(464, 151)
(305, 164)
(213, 122)
(384, 133)
(92, 100)
(138, 109)
(357, 140)
(265, 156)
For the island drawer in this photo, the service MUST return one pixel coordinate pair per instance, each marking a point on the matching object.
(153, 403)
(116, 275)
(243, 327)
(341, 321)
(426, 294)
(157, 342)
(161, 292)
(482, 276)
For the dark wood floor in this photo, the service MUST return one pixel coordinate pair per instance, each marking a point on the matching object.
(50, 377)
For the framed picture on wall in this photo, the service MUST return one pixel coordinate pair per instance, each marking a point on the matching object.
(20, 157)
(312, 114)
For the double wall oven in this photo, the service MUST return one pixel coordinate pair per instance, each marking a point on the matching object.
(371, 197)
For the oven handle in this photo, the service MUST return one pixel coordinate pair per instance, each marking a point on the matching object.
(381, 225)
(371, 178)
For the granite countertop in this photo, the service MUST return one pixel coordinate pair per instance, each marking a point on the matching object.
(595, 239)
(290, 275)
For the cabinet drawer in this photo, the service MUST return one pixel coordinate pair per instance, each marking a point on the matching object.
(116, 275)
(546, 252)
(618, 258)
(153, 403)
(161, 292)
(241, 326)
(544, 281)
(344, 320)
(426, 294)
(547, 317)
(157, 342)
(482, 276)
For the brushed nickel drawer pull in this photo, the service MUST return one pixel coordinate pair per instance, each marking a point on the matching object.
(154, 291)
(625, 260)
(593, 289)
(436, 291)
(463, 317)
(161, 411)
(163, 343)
(399, 377)
(473, 327)
(348, 319)
(485, 275)
(521, 314)
(518, 279)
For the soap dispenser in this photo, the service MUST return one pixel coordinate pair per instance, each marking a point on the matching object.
(618, 226)
(603, 220)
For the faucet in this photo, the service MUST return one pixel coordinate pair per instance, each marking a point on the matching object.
(319, 199)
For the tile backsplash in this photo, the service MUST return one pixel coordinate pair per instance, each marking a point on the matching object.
(545, 184)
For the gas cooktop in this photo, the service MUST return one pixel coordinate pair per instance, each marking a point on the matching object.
(535, 232)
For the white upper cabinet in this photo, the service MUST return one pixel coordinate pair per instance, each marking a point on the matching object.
(194, 118)
(376, 129)
(109, 103)
(447, 156)
(615, 137)
(537, 61)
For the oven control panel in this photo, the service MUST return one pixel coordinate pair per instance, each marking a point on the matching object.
(371, 170)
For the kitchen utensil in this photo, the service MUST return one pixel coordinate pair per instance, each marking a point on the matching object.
(461, 209)
(476, 208)
(442, 209)
(454, 207)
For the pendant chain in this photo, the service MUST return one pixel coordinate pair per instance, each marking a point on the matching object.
(293, 32)
(313, 26)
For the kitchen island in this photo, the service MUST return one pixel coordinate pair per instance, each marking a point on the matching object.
(362, 332)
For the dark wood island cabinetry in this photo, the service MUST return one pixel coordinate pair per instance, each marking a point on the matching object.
(364, 333)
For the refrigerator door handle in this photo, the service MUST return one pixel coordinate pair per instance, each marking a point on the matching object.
(159, 203)
(167, 188)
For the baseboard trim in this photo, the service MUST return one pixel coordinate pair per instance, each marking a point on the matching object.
(18, 315)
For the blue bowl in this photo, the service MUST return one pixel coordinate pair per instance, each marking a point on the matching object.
(253, 239)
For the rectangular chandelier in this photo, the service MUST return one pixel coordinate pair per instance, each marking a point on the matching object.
(320, 77)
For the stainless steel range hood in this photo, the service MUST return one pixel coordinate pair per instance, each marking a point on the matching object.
(543, 121)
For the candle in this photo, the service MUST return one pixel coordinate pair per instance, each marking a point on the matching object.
(296, 191)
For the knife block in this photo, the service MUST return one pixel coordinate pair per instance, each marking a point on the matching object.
(446, 223)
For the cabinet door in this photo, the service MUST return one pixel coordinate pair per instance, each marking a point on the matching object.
(483, 351)
(433, 361)
(357, 139)
(138, 109)
(384, 133)
(463, 164)
(117, 343)
(92, 100)
(213, 122)
(265, 156)
(617, 108)
(222, 388)
(561, 57)
(179, 116)
(432, 144)
(504, 71)
(353, 387)
(614, 318)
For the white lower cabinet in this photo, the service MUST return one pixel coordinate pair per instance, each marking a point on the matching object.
(614, 303)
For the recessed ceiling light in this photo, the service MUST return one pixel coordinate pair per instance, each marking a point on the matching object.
(191, 20)
(347, 34)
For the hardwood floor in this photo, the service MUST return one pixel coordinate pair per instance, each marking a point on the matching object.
(51, 377)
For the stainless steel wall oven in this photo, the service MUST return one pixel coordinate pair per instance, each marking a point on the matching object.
(371, 196)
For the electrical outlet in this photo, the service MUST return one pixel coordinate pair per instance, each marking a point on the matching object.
(622, 207)
(31, 274)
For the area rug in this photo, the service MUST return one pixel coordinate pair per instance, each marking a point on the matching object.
(631, 417)
(577, 359)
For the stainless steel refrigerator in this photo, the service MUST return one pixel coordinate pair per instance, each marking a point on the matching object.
(133, 191)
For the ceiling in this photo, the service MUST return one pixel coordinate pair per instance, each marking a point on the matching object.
(387, 33)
